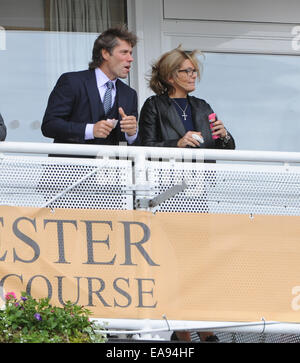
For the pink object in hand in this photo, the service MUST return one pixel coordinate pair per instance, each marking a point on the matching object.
(212, 118)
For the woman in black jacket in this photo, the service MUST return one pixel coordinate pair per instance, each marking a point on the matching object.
(172, 118)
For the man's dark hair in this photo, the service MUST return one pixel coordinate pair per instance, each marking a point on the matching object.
(108, 40)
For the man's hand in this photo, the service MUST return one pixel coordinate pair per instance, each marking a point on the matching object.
(102, 129)
(128, 124)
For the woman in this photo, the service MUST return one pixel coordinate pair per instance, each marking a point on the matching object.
(173, 118)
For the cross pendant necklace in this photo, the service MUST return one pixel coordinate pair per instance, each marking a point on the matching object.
(184, 115)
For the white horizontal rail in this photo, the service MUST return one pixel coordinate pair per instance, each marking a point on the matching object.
(148, 152)
(135, 326)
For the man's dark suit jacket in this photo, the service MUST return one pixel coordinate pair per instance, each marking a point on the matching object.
(2, 129)
(75, 101)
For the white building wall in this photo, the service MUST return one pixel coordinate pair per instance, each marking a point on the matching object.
(233, 26)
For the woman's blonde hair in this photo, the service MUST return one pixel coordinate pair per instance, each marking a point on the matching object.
(167, 67)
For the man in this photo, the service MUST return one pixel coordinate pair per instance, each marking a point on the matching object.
(2, 129)
(94, 106)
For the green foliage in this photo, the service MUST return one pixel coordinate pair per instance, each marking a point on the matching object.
(36, 321)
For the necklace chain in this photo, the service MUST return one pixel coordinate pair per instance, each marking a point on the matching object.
(184, 115)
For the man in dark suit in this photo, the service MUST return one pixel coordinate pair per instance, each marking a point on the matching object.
(94, 106)
(2, 129)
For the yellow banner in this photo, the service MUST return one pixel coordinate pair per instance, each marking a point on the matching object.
(134, 264)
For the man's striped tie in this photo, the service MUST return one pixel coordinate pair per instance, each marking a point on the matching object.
(107, 97)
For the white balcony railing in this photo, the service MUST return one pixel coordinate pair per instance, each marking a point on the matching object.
(124, 178)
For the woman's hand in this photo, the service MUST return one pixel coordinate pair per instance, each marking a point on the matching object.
(188, 140)
(218, 129)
